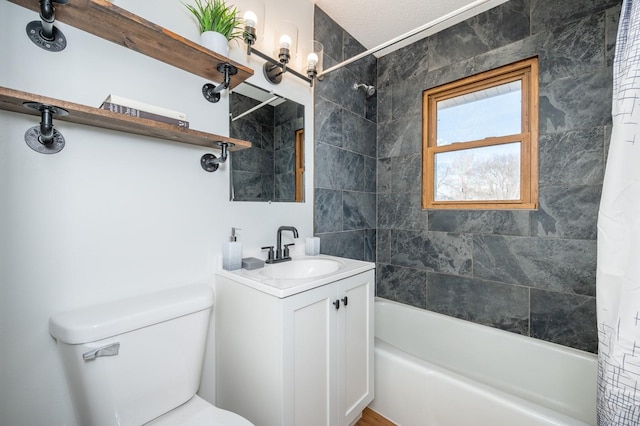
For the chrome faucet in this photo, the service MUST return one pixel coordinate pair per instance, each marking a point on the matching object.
(281, 253)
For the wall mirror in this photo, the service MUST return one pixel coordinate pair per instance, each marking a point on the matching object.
(273, 168)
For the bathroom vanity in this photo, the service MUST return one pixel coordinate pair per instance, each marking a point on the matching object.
(294, 341)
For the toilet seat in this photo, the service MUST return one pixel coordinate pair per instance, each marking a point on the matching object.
(198, 412)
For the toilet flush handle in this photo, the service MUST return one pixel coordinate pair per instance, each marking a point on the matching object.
(108, 350)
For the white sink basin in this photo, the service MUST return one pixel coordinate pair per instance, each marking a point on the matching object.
(300, 268)
(297, 275)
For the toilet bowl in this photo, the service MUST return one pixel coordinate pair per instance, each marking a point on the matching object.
(138, 361)
(198, 412)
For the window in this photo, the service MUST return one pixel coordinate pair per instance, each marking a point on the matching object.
(480, 141)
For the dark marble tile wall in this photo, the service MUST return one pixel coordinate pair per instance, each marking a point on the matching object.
(528, 272)
(531, 273)
(345, 216)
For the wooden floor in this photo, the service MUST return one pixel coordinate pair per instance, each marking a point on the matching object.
(371, 418)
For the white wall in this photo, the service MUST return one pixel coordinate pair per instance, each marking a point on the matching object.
(113, 214)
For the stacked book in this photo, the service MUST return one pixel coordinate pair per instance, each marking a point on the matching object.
(133, 108)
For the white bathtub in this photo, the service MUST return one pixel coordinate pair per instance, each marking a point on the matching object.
(435, 370)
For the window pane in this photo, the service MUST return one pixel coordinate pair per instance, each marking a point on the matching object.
(496, 111)
(486, 173)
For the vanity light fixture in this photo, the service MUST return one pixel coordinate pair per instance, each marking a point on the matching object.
(314, 60)
(253, 18)
(250, 19)
(287, 36)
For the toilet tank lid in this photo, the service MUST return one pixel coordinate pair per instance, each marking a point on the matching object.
(98, 322)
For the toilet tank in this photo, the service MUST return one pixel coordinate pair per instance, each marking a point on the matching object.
(132, 360)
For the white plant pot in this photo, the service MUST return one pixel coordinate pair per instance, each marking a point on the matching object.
(215, 41)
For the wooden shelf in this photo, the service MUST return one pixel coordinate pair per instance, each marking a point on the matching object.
(110, 22)
(13, 100)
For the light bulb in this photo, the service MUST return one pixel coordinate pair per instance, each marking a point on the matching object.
(250, 19)
(312, 59)
(285, 41)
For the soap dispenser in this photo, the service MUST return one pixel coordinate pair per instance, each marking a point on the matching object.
(232, 252)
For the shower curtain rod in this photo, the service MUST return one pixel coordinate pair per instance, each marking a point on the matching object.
(405, 36)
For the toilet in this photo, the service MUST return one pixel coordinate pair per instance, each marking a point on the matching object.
(138, 361)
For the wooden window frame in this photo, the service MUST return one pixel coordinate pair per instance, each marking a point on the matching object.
(527, 72)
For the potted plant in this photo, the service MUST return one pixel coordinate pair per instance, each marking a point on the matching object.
(218, 24)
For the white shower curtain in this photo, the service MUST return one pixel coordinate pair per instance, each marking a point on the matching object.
(618, 272)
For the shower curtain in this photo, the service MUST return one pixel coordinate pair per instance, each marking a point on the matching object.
(618, 271)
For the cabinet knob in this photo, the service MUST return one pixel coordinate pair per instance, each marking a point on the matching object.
(345, 300)
(337, 304)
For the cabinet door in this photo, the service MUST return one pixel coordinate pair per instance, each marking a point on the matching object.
(310, 357)
(355, 346)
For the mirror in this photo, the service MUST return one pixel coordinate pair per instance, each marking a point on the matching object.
(273, 168)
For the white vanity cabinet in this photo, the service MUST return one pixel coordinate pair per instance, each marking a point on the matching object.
(305, 359)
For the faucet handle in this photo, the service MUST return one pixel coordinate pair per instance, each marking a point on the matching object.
(286, 249)
(270, 254)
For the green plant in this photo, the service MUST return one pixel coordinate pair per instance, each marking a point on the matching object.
(215, 15)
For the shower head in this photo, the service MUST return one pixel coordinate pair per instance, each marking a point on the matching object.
(368, 90)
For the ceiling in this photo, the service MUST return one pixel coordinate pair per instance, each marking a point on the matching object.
(374, 22)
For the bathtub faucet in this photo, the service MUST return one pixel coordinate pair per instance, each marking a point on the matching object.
(282, 253)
